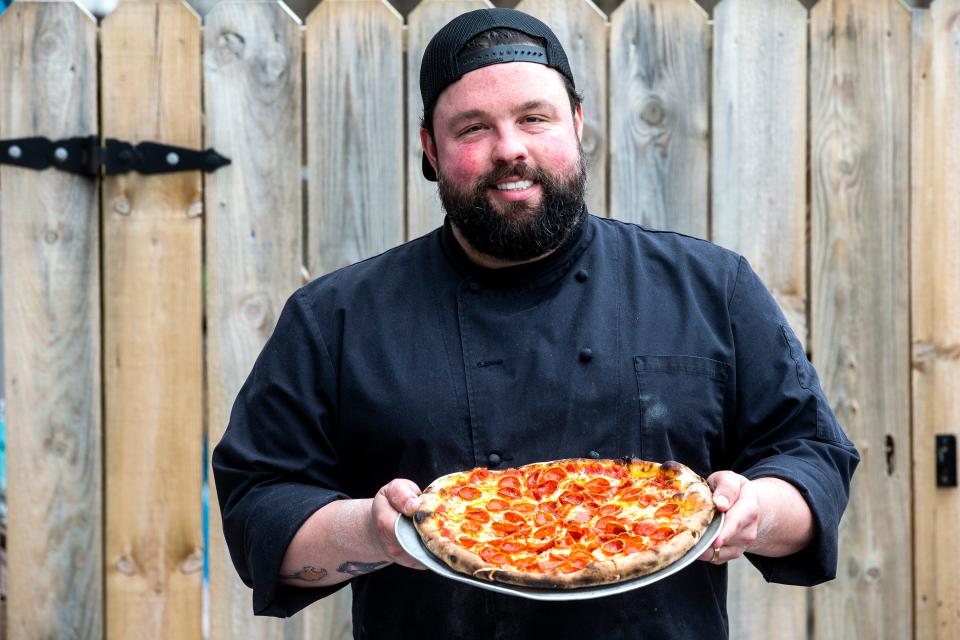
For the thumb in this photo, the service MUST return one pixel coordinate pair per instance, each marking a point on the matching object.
(726, 487)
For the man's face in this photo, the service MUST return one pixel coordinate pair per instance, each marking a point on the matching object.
(506, 148)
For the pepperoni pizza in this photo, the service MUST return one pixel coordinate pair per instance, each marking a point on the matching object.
(565, 524)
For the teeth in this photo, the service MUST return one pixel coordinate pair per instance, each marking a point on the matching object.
(514, 186)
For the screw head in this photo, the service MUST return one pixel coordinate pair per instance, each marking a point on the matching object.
(60, 154)
(172, 158)
(14, 151)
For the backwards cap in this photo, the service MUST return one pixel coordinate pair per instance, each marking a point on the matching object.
(443, 63)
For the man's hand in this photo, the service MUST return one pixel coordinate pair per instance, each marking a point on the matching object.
(396, 497)
(766, 516)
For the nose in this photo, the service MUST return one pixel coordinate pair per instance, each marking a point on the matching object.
(509, 147)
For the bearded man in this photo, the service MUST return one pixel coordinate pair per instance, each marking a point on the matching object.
(523, 330)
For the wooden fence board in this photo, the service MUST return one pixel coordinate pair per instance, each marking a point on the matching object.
(659, 77)
(424, 212)
(355, 131)
(859, 76)
(935, 276)
(150, 66)
(252, 62)
(582, 30)
(759, 210)
(51, 325)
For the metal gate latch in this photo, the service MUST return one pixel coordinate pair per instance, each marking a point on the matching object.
(85, 156)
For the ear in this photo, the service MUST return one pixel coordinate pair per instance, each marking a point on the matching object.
(578, 122)
(428, 146)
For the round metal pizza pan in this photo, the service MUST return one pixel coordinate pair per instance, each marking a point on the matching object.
(410, 541)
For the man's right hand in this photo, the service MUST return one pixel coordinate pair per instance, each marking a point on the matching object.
(396, 497)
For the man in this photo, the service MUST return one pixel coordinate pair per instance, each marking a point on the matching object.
(523, 330)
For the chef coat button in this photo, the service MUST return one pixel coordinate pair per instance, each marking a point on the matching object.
(586, 355)
(493, 459)
(475, 287)
(582, 276)
(595, 455)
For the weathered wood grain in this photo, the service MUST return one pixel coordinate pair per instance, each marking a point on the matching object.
(354, 132)
(659, 79)
(51, 266)
(859, 79)
(759, 159)
(424, 212)
(252, 64)
(759, 194)
(582, 30)
(150, 74)
(935, 299)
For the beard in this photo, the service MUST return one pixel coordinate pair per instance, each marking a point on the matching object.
(517, 231)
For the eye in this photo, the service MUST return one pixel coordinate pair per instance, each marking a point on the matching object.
(532, 119)
(473, 128)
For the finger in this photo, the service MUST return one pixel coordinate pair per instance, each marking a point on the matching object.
(740, 522)
(726, 487)
(402, 495)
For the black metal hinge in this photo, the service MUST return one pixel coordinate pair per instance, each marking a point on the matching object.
(85, 156)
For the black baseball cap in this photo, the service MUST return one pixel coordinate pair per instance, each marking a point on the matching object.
(443, 64)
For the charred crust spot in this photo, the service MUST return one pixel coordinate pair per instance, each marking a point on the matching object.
(672, 466)
(453, 559)
(420, 516)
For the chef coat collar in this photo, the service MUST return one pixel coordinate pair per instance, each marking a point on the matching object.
(541, 271)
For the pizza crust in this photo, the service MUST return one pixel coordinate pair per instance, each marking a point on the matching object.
(617, 568)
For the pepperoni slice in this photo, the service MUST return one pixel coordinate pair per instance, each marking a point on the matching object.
(468, 543)
(546, 531)
(663, 533)
(633, 544)
(469, 493)
(598, 485)
(497, 505)
(631, 495)
(555, 474)
(571, 498)
(542, 518)
(610, 509)
(509, 493)
(478, 475)
(644, 528)
(525, 562)
(549, 506)
(667, 510)
(478, 515)
(509, 482)
(524, 507)
(549, 565)
(613, 547)
(486, 553)
(609, 524)
(513, 516)
(545, 489)
(505, 527)
(511, 546)
(470, 527)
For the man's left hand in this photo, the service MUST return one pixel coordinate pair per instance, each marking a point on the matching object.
(766, 516)
(735, 496)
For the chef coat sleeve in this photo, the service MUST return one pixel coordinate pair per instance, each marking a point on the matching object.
(785, 428)
(277, 462)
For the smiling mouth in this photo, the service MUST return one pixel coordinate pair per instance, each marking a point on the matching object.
(519, 185)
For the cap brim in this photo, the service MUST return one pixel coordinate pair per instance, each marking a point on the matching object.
(427, 168)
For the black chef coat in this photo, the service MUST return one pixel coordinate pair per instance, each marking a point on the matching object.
(416, 363)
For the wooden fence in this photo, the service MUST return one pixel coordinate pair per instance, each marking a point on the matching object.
(822, 144)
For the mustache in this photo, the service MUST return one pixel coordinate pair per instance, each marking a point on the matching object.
(519, 170)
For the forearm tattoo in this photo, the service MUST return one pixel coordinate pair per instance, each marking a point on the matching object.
(359, 568)
(308, 574)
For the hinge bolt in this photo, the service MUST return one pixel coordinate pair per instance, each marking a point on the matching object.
(14, 151)
(172, 158)
(60, 154)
